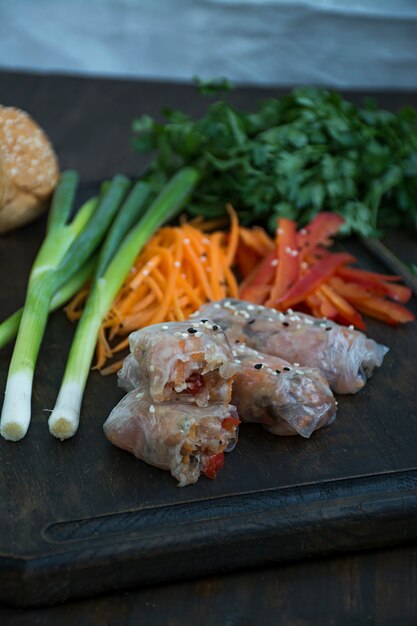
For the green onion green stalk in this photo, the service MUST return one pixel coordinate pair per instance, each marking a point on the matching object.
(66, 248)
(113, 266)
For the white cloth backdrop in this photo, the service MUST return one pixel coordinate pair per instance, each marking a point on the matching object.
(344, 43)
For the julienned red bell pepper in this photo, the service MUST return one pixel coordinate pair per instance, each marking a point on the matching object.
(369, 304)
(261, 276)
(377, 284)
(246, 259)
(347, 314)
(318, 232)
(327, 309)
(289, 264)
(384, 310)
(213, 465)
(318, 274)
(355, 271)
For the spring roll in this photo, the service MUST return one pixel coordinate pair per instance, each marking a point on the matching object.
(285, 399)
(185, 439)
(346, 357)
(193, 359)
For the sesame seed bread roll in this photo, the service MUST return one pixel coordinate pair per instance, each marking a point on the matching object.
(28, 169)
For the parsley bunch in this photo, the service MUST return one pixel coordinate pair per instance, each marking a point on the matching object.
(295, 156)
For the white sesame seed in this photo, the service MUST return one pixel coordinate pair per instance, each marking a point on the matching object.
(322, 325)
(237, 361)
(300, 372)
(250, 307)
(186, 241)
(178, 334)
(351, 327)
(290, 311)
(185, 335)
(296, 364)
(177, 264)
(145, 272)
(198, 334)
(274, 262)
(217, 306)
(152, 409)
(151, 368)
(303, 231)
(164, 327)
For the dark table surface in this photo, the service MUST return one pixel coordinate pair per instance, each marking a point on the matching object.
(89, 123)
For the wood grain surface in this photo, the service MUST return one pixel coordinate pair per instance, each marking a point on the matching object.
(89, 122)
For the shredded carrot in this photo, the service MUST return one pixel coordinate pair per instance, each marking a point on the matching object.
(179, 269)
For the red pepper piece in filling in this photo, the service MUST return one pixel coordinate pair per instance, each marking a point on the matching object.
(229, 423)
(213, 465)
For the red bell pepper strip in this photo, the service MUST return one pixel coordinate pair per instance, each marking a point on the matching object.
(213, 465)
(346, 311)
(353, 292)
(245, 259)
(318, 274)
(376, 284)
(258, 294)
(318, 232)
(262, 275)
(371, 305)
(327, 309)
(384, 310)
(355, 271)
(287, 269)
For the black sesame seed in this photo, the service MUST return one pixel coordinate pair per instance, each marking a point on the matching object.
(278, 371)
(251, 321)
(237, 341)
(258, 366)
(203, 321)
(287, 369)
(191, 331)
(285, 312)
(215, 327)
(285, 323)
(328, 328)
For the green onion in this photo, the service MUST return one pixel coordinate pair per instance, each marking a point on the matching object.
(10, 326)
(64, 419)
(65, 249)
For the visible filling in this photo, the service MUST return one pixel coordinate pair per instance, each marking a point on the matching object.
(205, 447)
(194, 383)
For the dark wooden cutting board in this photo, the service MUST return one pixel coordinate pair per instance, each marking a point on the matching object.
(83, 517)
